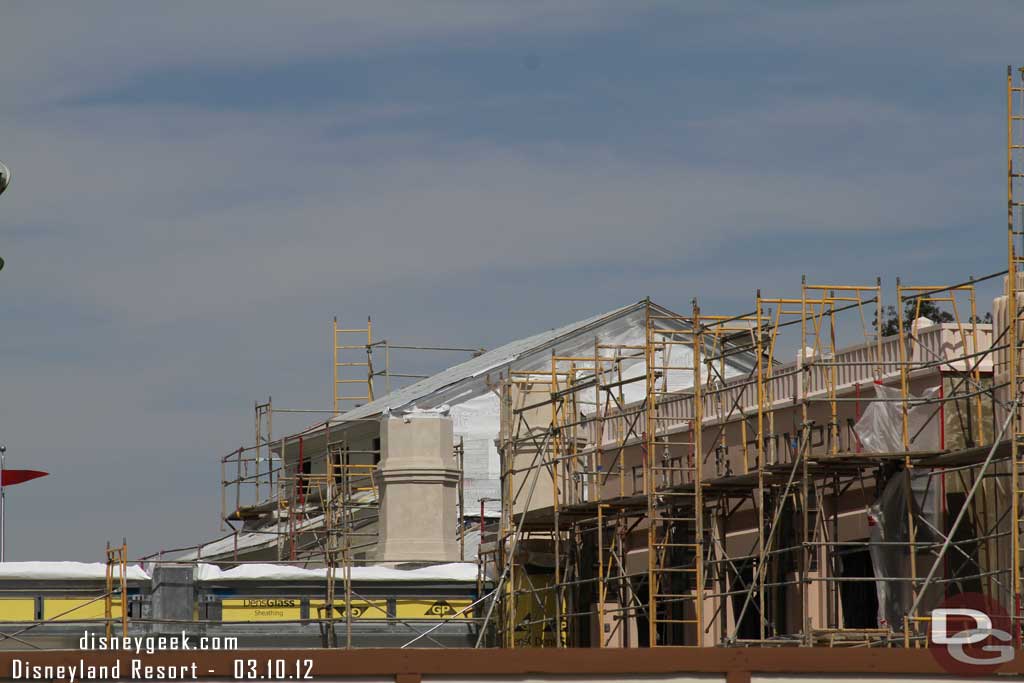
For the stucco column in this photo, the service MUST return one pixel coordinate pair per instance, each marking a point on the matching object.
(419, 480)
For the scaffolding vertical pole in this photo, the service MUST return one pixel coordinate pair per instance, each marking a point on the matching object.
(270, 453)
(759, 495)
(506, 618)
(558, 443)
(904, 381)
(124, 587)
(908, 489)
(330, 516)
(833, 372)
(348, 527)
(238, 479)
(808, 524)
(595, 432)
(335, 399)
(462, 499)
(223, 494)
(978, 407)
(879, 312)
(1013, 357)
(259, 451)
(282, 499)
(696, 473)
(647, 453)
(369, 359)
(601, 588)
(108, 597)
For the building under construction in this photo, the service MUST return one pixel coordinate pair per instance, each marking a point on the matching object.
(823, 469)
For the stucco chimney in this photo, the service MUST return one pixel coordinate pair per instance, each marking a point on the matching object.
(419, 480)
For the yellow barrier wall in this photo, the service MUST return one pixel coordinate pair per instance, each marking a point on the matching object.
(81, 609)
(17, 609)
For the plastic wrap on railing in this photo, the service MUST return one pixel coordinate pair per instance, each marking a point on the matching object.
(880, 429)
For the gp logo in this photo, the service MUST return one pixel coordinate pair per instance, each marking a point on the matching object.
(440, 609)
(970, 634)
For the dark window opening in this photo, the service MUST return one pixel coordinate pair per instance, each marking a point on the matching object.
(859, 598)
(961, 566)
(749, 627)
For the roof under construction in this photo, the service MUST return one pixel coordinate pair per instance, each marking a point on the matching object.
(471, 377)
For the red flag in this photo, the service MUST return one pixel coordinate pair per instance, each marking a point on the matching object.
(12, 477)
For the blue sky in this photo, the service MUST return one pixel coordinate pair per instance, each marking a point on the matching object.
(199, 188)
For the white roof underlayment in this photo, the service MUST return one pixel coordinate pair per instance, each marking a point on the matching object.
(455, 571)
(58, 571)
(460, 383)
(467, 379)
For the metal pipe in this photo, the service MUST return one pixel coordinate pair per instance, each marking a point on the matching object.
(960, 285)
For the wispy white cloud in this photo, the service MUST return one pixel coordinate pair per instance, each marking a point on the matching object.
(92, 46)
(184, 213)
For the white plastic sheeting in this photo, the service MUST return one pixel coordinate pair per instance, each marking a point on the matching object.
(456, 571)
(414, 412)
(476, 421)
(880, 429)
(57, 571)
